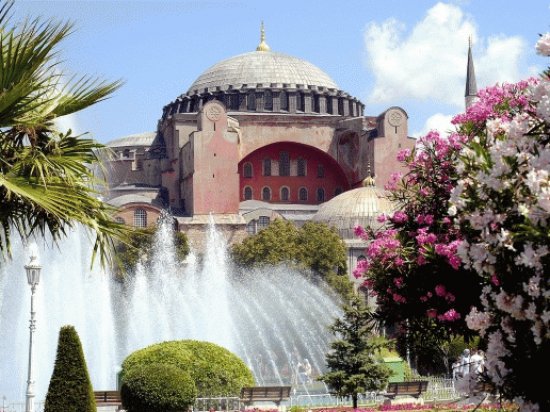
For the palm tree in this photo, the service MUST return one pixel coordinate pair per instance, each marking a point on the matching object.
(47, 183)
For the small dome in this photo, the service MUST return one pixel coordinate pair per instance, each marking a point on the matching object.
(261, 67)
(141, 139)
(355, 207)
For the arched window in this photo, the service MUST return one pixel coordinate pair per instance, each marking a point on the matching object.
(285, 194)
(284, 100)
(284, 164)
(320, 170)
(337, 191)
(301, 166)
(251, 227)
(268, 100)
(266, 193)
(267, 167)
(302, 194)
(301, 102)
(247, 170)
(320, 194)
(263, 222)
(251, 106)
(360, 258)
(247, 193)
(316, 105)
(140, 218)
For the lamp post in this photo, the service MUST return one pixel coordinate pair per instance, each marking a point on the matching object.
(33, 277)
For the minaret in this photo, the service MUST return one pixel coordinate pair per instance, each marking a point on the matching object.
(263, 45)
(471, 86)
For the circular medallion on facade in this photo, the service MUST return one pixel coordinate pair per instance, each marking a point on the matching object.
(214, 112)
(395, 118)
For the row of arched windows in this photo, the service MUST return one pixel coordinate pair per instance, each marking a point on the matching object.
(284, 167)
(284, 194)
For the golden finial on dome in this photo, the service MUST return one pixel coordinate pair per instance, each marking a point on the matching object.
(263, 45)
(369, 180)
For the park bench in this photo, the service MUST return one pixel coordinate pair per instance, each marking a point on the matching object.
(484, 387)
(108, 398)
(276, 394)
(411, 388)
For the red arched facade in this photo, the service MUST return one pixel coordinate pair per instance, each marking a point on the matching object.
(284, 172)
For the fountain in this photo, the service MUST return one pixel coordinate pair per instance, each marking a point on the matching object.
(271, 318)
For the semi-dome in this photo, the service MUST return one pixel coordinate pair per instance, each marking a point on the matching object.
(139, 139)
(261, 69)
(357, 207)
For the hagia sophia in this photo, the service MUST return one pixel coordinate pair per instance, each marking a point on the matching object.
(259, 136)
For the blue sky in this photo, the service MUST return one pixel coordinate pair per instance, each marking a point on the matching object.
(404, 53)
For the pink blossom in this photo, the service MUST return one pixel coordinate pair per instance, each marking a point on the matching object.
(398, 261)
(399, 217)
(398, 282)
(398, 298)
(429, 294)
(403, 154)
(449, 297)
(455, 262)
(432, 313)
(360, 231)
(440, 290)
(494, 280)
(381, 218)
(423, 298)
(450, 316)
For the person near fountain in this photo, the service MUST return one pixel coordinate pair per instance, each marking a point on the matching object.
(304, 371)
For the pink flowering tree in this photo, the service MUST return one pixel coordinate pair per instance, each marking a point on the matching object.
(502, 203)
(412, 265)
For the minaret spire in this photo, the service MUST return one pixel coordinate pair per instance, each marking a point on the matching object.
(263, 45)
(471, 86)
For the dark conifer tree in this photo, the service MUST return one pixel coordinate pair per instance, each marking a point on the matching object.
(353, 367)
(70, 387)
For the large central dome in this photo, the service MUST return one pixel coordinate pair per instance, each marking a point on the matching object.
(265, 68)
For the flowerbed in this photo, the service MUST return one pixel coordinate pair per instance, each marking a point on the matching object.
(406, 407)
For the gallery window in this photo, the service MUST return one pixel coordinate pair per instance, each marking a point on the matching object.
(266, 194)
(247, 193)
(247, 170)
(302, 194)
(320, 170)
(301, 166)
(284, 164)
(140, 218)
(267, 167)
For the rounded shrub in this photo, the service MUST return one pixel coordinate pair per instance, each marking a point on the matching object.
(215, 370)
(157, 388)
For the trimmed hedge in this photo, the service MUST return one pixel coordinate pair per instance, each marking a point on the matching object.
(157, 388)
(70, 388)
(215, 370)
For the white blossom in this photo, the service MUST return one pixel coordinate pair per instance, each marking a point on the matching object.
(543, 45)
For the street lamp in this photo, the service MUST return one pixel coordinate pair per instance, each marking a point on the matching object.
(33, 277)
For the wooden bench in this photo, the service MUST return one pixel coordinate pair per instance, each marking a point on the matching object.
(484, 387)
(412, 388)
(108, 398)
(276, 394)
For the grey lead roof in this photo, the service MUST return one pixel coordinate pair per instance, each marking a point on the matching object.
(261, 67)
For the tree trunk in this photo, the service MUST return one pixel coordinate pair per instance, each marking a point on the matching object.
(354, 398)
